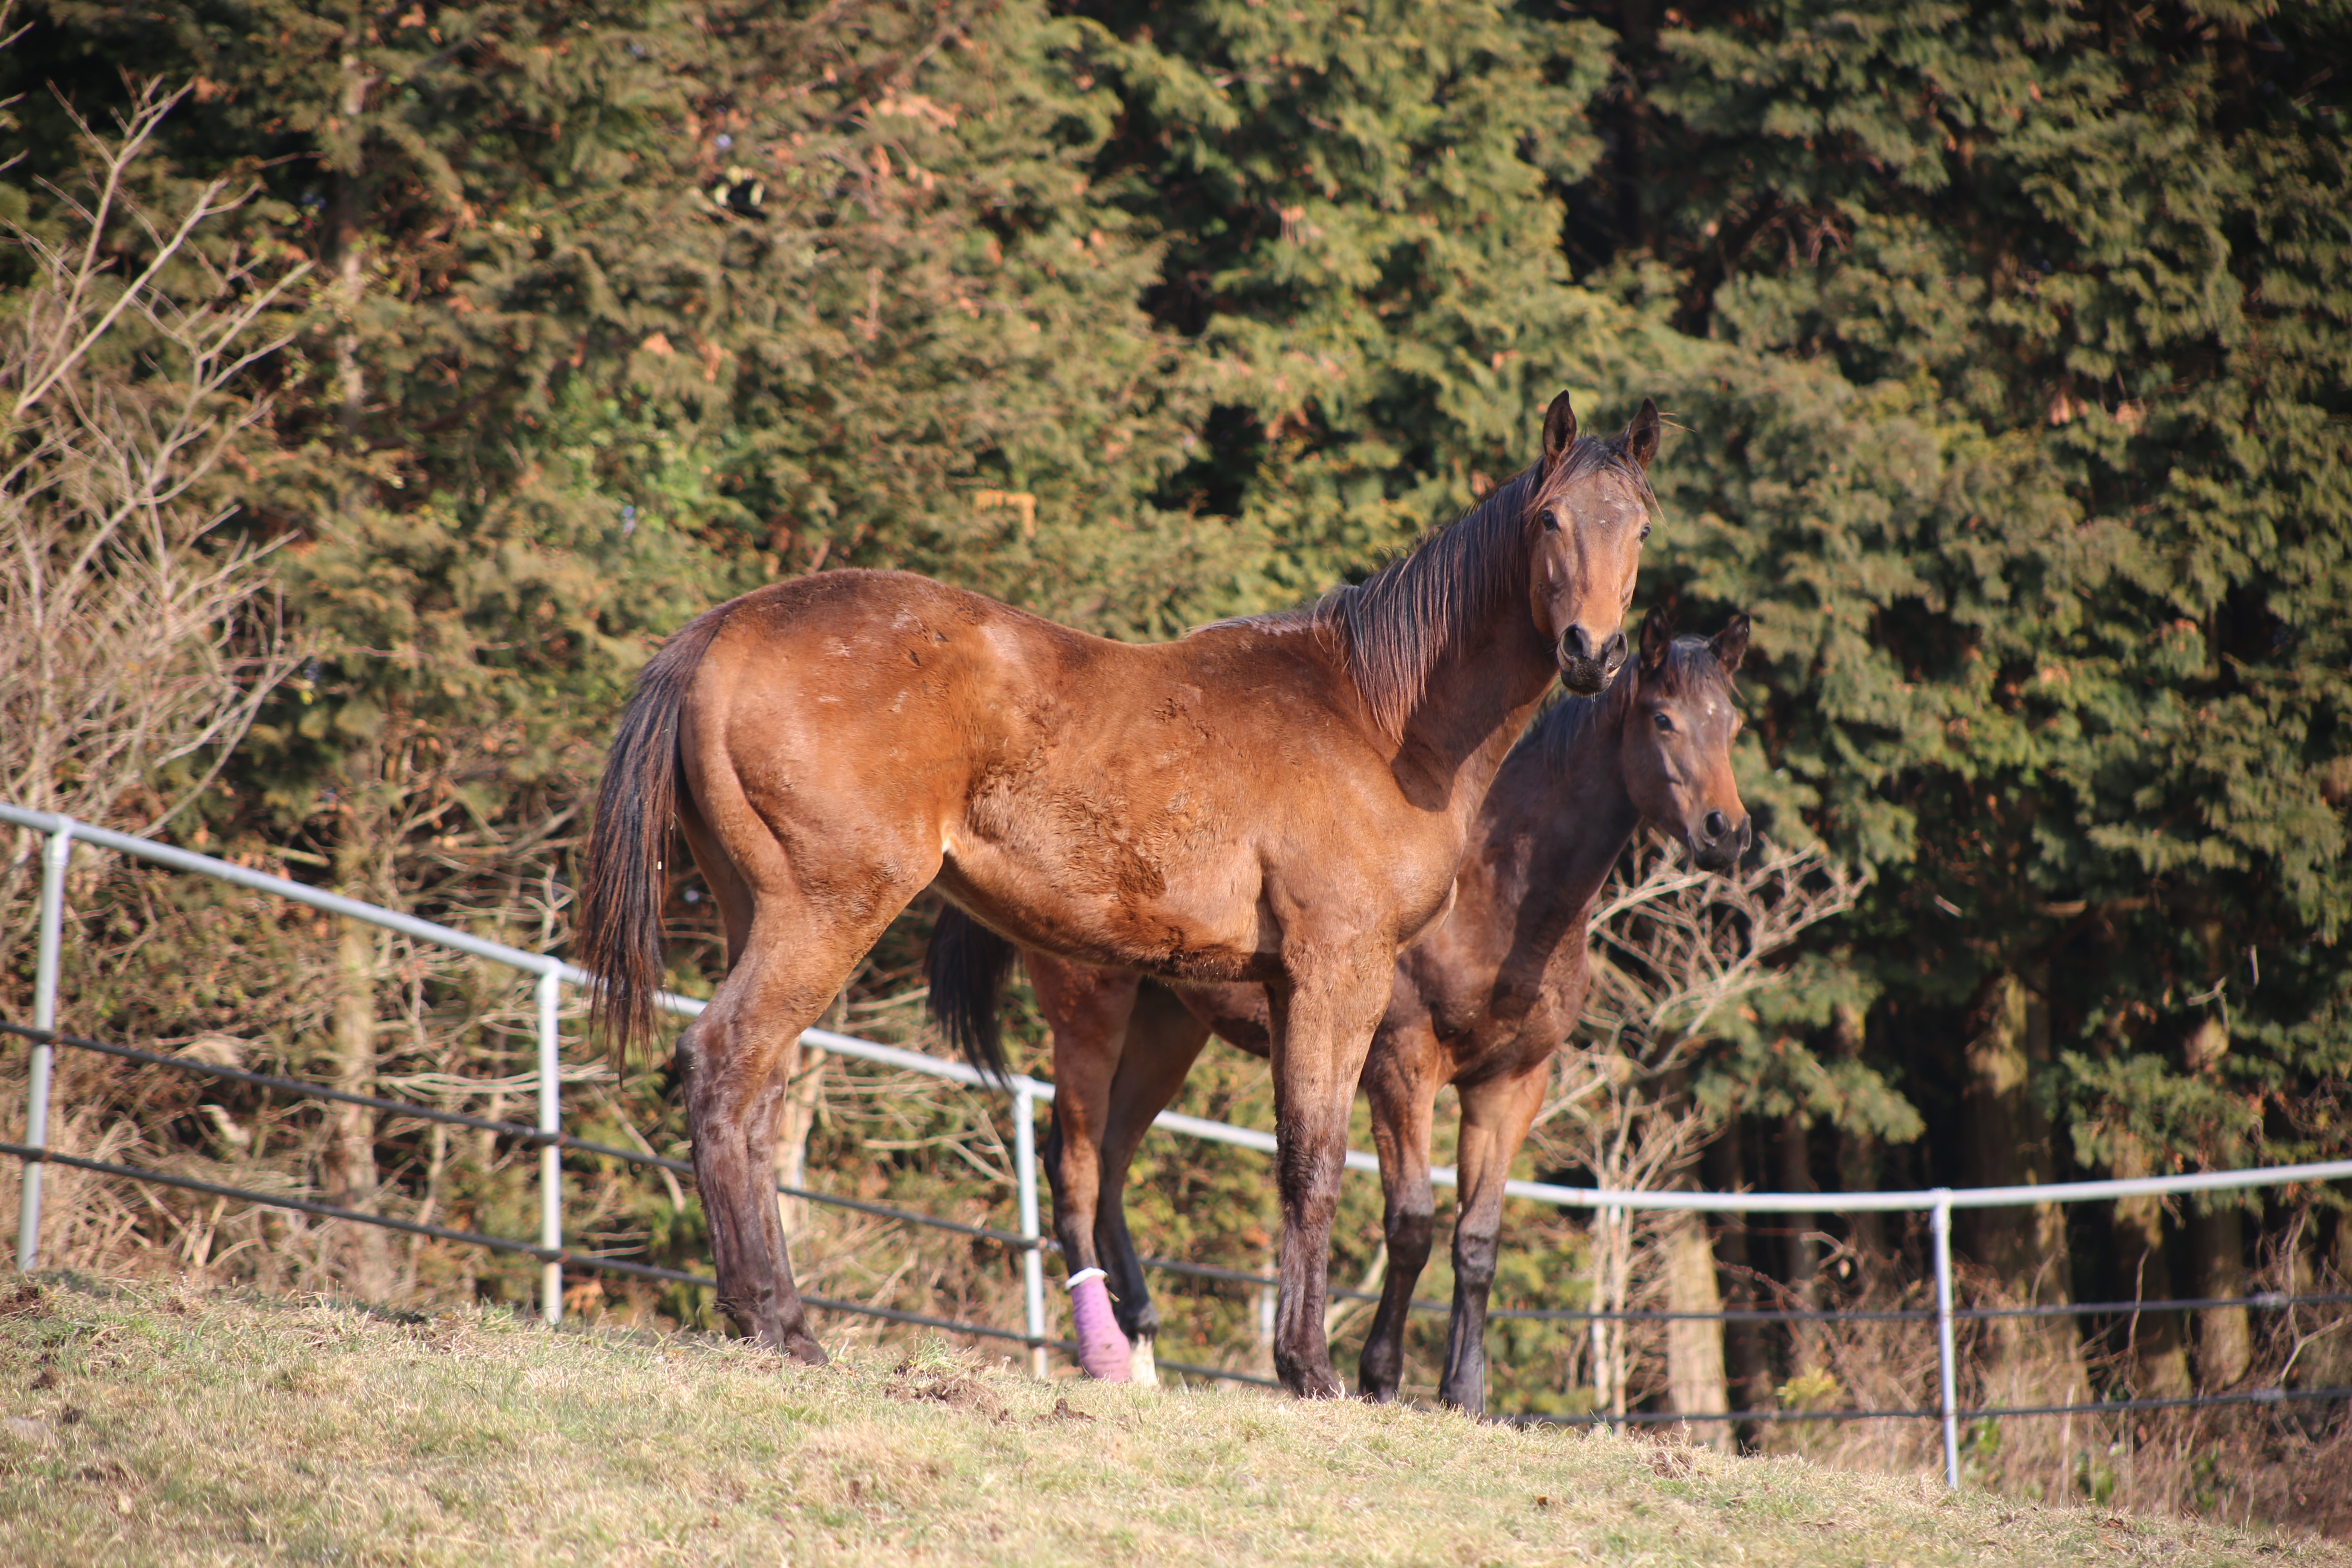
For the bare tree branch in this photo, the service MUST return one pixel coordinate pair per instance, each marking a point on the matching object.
(1674, 952)
(135, 630)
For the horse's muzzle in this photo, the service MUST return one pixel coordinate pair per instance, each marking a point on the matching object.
(1584, 669)
(1717, 844)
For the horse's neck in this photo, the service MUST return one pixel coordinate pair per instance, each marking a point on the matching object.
(1566, 812)
(1476, 701)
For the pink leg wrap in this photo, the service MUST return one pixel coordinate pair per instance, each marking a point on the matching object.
(1102, 1345)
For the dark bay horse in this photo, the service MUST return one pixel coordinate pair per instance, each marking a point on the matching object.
(1482, 1001)
(1280, 800)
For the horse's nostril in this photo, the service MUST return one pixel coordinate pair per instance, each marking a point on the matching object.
(1576, 644)
(1613, 652)
(1715, 826)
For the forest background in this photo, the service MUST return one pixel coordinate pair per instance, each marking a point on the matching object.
(463, 352)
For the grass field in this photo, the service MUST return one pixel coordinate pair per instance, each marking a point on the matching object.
(143, 1423)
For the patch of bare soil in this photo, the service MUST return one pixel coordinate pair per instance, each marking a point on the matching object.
(949, 1383)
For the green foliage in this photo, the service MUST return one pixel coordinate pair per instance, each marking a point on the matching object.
(626, 308)
(2023, 434)
(1362, 224)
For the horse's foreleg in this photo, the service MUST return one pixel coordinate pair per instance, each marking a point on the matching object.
(1089, 1010)
(1322, 1030)
(1496, 1116)
(1401, 1084)
(1163, 1040)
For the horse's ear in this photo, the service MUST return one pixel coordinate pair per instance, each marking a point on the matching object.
(1641, 435)
(1730, 643)
(1657, 637)
(1559, 432)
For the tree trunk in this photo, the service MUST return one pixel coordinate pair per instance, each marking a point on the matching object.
(351, 200)
(2217, 1245)
(1858, 1161)
(2006, 1142)
(1743, 1345)
(2159, 1361)
(2217, 1249)
(1696, 1381)
(363, 1253)
(792, 1129)
(351, 1171)
(1804, 1251)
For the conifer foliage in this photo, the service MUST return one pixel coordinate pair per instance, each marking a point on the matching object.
(2023, 434)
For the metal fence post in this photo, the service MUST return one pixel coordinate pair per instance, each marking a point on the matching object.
(1033, 1263)
(550, 1158)
(1604, 1232)
(1942, 1228)
(54, 856)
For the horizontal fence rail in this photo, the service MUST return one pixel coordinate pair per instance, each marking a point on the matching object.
(1989, 1412)
(60, 834)
(589, 1262)
(2263, 1300)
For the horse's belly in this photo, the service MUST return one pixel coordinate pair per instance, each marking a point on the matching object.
(1195, 920)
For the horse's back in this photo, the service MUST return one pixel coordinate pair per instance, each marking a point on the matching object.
(904, 678)
(1122, 798)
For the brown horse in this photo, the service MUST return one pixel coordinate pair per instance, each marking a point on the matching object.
(1481, 1002)
(1281, 800)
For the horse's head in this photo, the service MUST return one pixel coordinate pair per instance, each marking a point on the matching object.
(1589, 512)
(1676, 751)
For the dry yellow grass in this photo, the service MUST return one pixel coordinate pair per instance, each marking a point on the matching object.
(141, 1424)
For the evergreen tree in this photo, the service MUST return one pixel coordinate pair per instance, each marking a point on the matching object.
(1362, 224)
(2023, 436)
(627, 307)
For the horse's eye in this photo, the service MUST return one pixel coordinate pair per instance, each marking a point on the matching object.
(1550, 521)
(1664, 725)
(1646, 531)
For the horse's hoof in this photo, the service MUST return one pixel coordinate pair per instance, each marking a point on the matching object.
(1141, 1367)
(803, 1349)
(1102, 1347)
(1312, 1383)
(1471, 1405)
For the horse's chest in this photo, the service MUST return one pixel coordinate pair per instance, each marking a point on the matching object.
(1502, 1026)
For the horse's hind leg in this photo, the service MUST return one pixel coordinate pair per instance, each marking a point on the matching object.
(785, 972)
(1163, 1040)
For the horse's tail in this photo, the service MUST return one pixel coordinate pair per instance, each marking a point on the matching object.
(618, 936)
(967, 965)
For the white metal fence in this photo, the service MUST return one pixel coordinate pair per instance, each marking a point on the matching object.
(60, 834)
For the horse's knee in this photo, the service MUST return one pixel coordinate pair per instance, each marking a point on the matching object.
(1310, 1198)
(1408, 1233)
(1474, 1258)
